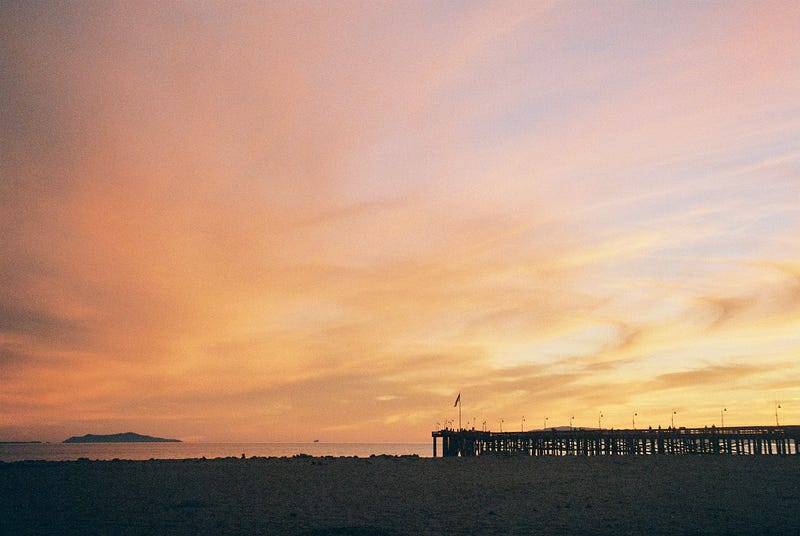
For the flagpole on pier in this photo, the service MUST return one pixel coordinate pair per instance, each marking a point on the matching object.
(458, 403)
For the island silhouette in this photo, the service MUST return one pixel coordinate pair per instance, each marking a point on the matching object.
(127, 437)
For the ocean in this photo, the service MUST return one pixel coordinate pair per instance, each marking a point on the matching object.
(13, 452)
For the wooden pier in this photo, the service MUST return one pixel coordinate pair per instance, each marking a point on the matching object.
(737, 441)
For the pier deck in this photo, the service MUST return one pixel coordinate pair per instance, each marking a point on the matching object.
(741, 441)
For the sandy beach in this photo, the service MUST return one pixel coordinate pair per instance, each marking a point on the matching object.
(404, 495)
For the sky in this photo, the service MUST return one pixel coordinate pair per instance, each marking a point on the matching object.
(287, 221)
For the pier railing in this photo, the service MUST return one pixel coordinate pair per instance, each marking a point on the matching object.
(740, 441)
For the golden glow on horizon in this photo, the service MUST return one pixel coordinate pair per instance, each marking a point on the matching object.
(278, 223)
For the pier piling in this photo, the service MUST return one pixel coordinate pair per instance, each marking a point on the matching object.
(739, 441)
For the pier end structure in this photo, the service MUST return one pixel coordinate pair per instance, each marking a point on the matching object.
(739, 441)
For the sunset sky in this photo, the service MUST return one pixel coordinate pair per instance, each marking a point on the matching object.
(297, 220)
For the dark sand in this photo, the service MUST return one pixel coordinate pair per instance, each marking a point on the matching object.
(383, 495)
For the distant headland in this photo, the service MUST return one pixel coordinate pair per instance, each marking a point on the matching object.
(127, 437)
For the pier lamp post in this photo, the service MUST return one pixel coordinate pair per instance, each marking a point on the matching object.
(545, 423)
(571, 420)
(522, 428)
(484, 426)
(672, 419)
(633, 420)
(501, 425)
(722, 417)
(600, 420)
(777, 407)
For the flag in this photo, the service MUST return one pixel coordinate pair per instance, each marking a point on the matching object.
(458, 399)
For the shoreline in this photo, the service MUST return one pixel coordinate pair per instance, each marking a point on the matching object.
(183, 450)
(385, 494)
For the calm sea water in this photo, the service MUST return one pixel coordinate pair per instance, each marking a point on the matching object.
(145, 451)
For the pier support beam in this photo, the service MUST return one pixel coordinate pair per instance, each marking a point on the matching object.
(753, 441)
